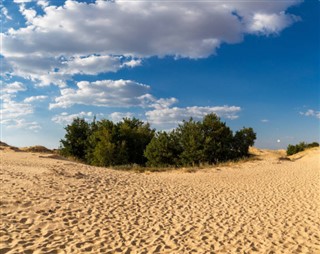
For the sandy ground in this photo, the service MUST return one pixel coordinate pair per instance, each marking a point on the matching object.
(51, 205)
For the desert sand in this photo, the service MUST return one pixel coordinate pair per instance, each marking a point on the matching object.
(51, 205)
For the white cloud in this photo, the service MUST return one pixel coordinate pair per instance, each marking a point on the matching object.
(96, 34)
(186, 29)
(132, 63)
(22, 1)
(103, 93)
(312, 113)
(13, 88)
(264, 120)
(46, 70)
(23, 124)
(149, 100)
(270, 23)
(42, 3)
(13, 113)
(5, 13)
(167, 118)
(93, 64)
(29, 14)
(66, 118)
(14, 110)
(35, 98)
(118, 116)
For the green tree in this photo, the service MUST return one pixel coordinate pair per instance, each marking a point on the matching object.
(191, 140)
(75, 142)
(218, 137)
(163, 150)
(103, 142)
(136, 135)
(243, 139)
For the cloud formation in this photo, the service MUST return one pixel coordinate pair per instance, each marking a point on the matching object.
(36, 98)
(168, 118)
(66, 118)
(46, 70)
(52, 47)
(311, 113)
(103, 93)
(14, 113)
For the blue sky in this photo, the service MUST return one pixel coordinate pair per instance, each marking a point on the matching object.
(254, 63)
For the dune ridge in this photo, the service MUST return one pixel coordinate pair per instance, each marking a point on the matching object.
(50, 205)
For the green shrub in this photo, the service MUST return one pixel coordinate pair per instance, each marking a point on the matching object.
(313, 144)
(130, 142)
(163, 150)
(293, 149)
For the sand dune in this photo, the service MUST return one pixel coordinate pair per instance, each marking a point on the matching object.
(50, 205)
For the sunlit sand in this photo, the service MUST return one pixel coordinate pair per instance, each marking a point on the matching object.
(268, 205)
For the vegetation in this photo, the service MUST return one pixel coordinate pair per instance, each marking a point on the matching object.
(105, 143)
(293, 149)
(133, 142)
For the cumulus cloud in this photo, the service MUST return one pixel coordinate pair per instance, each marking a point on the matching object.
(46, 70)
(273, 23)
(311, 113)
(13, 88)
(14, 113)
(187, 29)
(42, 3)
(5, 13)
(137, 29)
(149, 100)
(22, 1)
(103, 93)
(35, 98)
(14, 110)
(168, 118)
(23, 124)
(118, 116)
(66, 118)
(29, 14)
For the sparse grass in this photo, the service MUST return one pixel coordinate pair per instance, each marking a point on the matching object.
(283, 158)
(145, 169)
(36, 149)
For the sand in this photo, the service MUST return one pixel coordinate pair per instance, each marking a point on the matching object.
(50, 205)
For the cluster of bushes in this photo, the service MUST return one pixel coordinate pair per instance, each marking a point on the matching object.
(292, 149)
(132, 141)
(105, 143)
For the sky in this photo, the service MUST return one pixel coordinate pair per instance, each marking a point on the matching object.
(253, 63)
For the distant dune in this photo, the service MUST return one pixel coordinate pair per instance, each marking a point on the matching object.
(269, 205)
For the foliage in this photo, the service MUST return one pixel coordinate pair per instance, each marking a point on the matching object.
(217, 140)
(243, 139)
(163, 150)
(76, 139)
(293, 149)
(133, 142)
(105, 143)
(193, 143)
(191, 139)
(313, 144)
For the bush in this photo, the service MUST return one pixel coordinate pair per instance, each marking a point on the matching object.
(132, 141)
(243, 139)
(105, 143)
(75, 143)
(313, 144)
(163, 150)
(293, 149)
(193, 143)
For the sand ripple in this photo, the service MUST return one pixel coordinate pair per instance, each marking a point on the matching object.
(56, 206)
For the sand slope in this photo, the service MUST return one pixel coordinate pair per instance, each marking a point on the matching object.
(57, 206)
